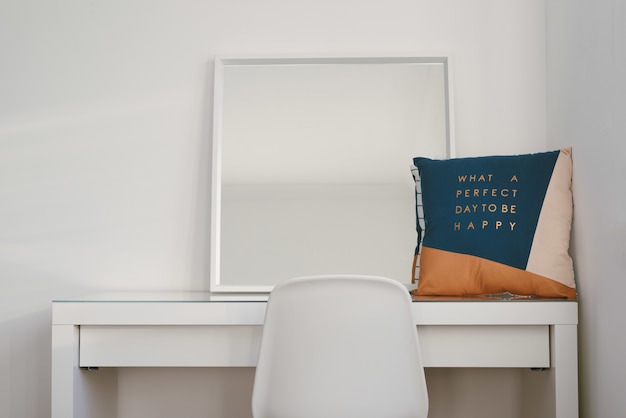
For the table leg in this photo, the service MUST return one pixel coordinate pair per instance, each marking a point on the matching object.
(64, 367)
(564, 359)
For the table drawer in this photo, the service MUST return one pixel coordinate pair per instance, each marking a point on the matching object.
(485, 345)
(238, 345)
(169, 345)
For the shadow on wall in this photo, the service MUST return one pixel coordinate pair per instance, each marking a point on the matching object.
(185, 392)
(25, 364)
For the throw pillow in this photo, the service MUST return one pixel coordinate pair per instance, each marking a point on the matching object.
(498, 224)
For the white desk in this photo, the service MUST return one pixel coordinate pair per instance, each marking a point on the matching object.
(207, 330)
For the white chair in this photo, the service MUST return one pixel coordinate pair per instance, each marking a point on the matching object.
(339, 346)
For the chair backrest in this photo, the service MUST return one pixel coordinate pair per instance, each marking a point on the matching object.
(339, 346)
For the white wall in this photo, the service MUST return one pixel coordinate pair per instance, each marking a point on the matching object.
(105, 122)
(587, 108)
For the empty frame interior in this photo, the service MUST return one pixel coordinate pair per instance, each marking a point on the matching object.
(311, 165)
